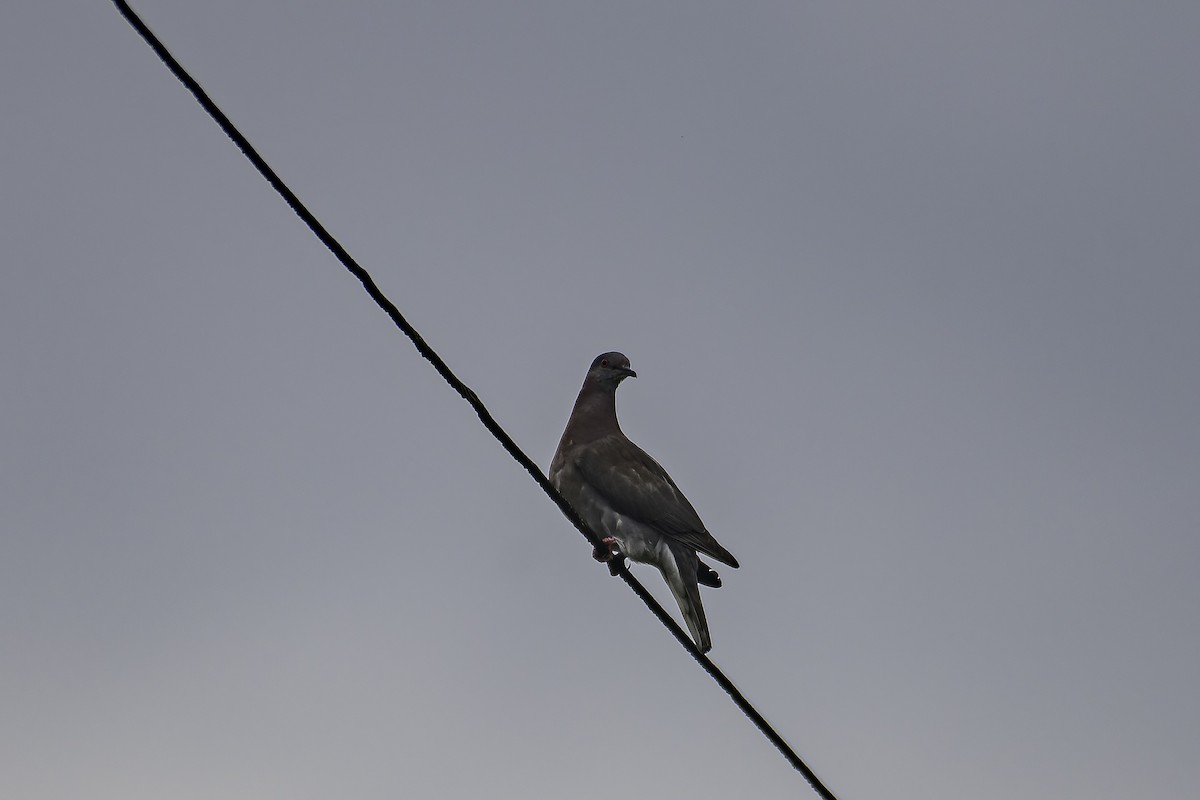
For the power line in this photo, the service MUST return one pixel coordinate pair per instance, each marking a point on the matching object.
(489, 422)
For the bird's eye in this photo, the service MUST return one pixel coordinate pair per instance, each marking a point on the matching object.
(604, 362)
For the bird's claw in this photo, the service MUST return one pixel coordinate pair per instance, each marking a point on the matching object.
(608, 554)
(604, 553)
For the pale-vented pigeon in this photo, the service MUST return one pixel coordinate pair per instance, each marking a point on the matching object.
(631, 501)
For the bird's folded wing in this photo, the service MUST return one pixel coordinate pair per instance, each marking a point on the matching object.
(635, 485)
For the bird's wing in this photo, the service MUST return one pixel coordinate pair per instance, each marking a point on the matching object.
(635, 485)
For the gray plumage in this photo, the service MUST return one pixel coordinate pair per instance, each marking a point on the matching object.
(628, 498)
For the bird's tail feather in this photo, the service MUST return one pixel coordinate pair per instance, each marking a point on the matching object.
(681, 574)
(707, 575)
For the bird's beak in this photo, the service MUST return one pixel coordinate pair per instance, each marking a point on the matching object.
(628, 373)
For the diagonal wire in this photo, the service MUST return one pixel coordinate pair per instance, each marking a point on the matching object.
(467, 394)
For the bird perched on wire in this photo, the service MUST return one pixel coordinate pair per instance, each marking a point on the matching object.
(630, 500)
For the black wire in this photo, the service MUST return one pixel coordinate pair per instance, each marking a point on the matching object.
(467, 394)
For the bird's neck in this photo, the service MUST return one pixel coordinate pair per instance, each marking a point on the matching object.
(595, 415)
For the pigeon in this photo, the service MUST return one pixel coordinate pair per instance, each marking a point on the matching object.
(630, 500)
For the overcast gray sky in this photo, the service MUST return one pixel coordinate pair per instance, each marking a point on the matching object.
(912, 291)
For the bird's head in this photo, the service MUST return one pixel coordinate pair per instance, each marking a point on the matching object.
(609, 369)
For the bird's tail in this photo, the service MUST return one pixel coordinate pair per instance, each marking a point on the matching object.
(681, 573)
(707, 575)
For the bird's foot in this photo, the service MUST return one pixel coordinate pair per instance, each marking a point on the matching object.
(604, 553)
(609, 554)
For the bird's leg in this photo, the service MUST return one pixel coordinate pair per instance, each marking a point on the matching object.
(610, 554)
(605, 553)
